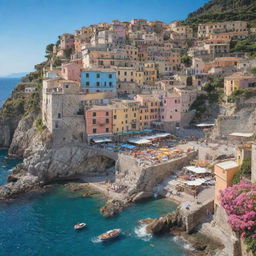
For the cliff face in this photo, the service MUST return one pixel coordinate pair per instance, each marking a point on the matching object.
(237, 117)
(7, 129)
(23, 136)
(44, 163)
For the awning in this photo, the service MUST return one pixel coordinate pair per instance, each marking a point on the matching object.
(157, 136)
(196, 182)
(101, 140)
(198, 170)
(204, 125)
(139, 141)
(241, 134)
(128, 146)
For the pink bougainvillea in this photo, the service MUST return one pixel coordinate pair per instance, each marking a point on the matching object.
(239, 202)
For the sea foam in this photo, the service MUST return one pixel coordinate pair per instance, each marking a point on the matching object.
(142, 233)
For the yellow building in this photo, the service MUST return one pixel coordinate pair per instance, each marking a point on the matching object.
(125, 115)
(149, 110)
(120, 118)
(139, 77)
(126, 74)
(150, 72)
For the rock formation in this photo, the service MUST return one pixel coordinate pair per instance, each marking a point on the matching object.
(113, 207)
(165, 223)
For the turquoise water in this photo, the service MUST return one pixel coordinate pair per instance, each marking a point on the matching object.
(6, 87)
(6, 164)
(43, 226)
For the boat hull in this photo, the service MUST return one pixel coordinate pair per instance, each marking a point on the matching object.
(110, 236)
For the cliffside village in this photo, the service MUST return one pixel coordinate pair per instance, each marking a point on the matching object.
(127, 84)
(129, 76)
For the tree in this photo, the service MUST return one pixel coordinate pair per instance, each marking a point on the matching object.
(209, 87)
(186, 60)
(49, 51)
(253, 70)
(49, 48)
(57, 62)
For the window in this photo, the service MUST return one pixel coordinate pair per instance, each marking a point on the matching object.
(110, 84)
(98, 84)
(87, 75)
(94, 113)
(93, 121)
(94, 130)
(87, 83)
(107, 129)
(110, 76)
(106, 113)
(59, 115)
(56, 125)
(98, 75)
(66, 85)
(114, 116)
(107, 121)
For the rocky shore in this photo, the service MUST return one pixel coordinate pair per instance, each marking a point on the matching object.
(173, 223)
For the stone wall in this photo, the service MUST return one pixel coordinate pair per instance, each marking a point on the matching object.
(239, 117)
(253, 177)
(72, 129)
(132, 173)
(232, 243)
(194, 217)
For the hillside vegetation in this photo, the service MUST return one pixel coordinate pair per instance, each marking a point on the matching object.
(224, 10)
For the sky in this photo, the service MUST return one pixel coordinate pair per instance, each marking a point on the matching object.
(27, 26)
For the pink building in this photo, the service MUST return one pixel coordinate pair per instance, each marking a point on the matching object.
(71, 71)
(67, 41)
(98, 121)
(170, 110)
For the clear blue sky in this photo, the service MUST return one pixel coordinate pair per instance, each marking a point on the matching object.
(27, 26)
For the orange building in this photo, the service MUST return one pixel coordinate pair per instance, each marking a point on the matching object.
(224, 173)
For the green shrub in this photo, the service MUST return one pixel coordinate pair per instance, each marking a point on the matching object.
(39, 125)
(244, 172)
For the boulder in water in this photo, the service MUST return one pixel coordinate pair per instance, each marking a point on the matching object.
(112, 208)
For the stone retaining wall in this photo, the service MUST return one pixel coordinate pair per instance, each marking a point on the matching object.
(138, 177)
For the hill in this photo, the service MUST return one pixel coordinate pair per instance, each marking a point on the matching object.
(224, 10)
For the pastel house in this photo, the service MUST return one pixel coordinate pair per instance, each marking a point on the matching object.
(98, 80)
(170, 110)
(238, 81)
(224, 173)
(71, 71)
(98, 121)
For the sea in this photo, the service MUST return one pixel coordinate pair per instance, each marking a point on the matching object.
(41, 224)
(6, 87)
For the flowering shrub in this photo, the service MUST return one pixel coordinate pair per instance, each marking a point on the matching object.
(239, 202)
